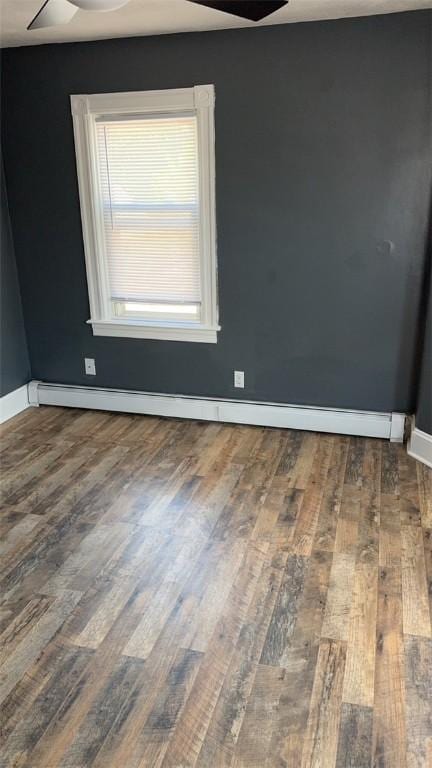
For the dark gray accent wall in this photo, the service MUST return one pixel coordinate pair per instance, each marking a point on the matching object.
(14, 361)
(424, 401)
(323, 178)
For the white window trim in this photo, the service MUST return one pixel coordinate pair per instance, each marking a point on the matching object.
(85, 110)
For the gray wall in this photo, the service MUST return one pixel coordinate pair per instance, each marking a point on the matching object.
(14, 361)
(424, 401)
(322, 159)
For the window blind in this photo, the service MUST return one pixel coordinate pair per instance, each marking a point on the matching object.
(148, 173)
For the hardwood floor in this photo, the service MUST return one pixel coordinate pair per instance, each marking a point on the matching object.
(178, 593)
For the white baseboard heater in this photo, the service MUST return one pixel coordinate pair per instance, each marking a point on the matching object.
(346, 422)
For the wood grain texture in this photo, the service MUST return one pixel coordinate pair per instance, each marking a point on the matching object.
(321, 738)
(418, 655)
(289, 724)
(338, 605)
(196, 595)
(285, 611)
(416, 613)
(360, 662)
(355, 737)
(389, 725)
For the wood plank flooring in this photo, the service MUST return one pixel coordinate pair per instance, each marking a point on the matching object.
(178, 594)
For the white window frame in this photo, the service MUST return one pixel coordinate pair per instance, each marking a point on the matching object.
(198, 100)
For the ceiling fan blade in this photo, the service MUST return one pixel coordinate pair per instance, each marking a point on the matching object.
(99, 5)
(254, 10)
(53, 12)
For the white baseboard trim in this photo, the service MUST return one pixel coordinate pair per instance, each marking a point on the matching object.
(363, 423)
(420, 446)
(13, 403)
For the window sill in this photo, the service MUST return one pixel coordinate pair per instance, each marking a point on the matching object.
(132, 329)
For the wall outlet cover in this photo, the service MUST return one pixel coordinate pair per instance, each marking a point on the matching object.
(239, 379)
(90, 366)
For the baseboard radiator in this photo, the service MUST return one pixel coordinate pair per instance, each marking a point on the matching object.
(346, 422)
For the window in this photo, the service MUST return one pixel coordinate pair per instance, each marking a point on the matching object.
(145, 166)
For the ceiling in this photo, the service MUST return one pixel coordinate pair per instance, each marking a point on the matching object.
(155, 17)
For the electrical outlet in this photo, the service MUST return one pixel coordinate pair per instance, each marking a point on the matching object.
(239, 379)
(90, 366)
